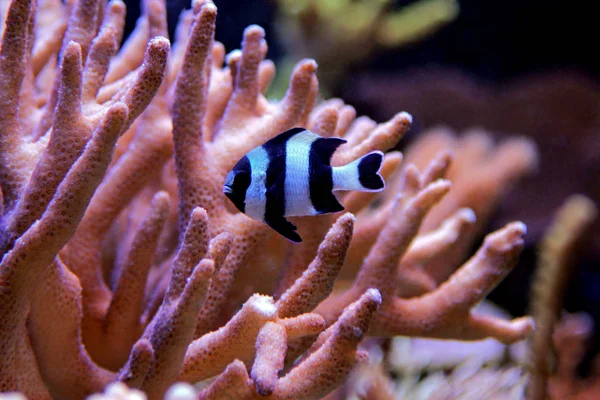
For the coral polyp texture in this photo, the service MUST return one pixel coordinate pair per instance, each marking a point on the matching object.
(122, 260)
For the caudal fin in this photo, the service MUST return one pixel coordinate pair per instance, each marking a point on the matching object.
(368, 168)
(361, 174)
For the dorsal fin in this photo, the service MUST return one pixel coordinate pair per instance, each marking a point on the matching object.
(325, 147)
(283, 137)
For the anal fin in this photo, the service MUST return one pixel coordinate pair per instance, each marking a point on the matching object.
(285, 228)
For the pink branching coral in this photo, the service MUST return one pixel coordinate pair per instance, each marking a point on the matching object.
(122, 261)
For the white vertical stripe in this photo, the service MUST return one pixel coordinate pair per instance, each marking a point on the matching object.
(346, 177)
(297, 188)
(256, 195)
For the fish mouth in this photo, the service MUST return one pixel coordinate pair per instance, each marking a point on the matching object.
(227, 190)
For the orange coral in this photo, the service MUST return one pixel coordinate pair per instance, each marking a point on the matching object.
(123, 262)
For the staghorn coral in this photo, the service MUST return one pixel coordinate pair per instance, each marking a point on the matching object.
(436, 369)
(123, 262)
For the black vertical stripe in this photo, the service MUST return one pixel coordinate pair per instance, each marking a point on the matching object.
(275, 179)
(242, 175)
(320, 175)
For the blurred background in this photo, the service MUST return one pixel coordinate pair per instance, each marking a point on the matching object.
(509, 67)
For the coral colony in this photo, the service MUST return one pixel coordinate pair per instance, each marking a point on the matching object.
(124, 267)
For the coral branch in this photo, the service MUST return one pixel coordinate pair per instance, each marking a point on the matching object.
(81, 30)
(148, 79)
(68, 138)
(271, 345)
(211, 353)
(50, 31)
(138, 365)
(317, 281)
(431, 244)
(130, 57)
(315, 376)
(103, 49)
(233, 383)
(20, 269)
(384, 137)
(14, 171)
(445, 312)
(397, 235)
(172, 328)
(189, 104)
(122, 321)
(320, 372)
(219, 285)
(254, 49)
(74, 374)
(192, 250)
(551, 277)
(427, 248)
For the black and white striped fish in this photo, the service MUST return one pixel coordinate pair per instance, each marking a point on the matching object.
(291, 175)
